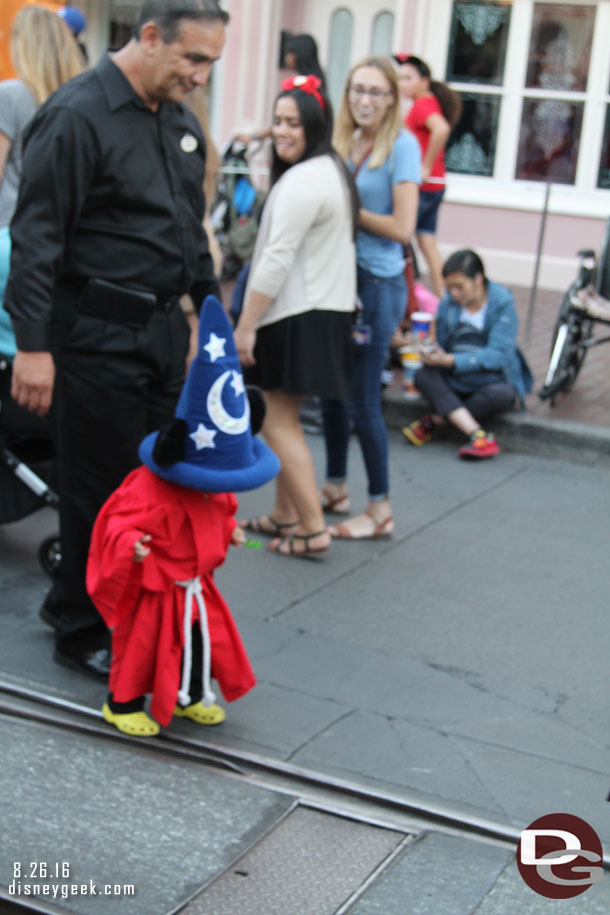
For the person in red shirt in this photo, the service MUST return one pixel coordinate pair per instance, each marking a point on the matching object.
(159, 537)
(435, 110)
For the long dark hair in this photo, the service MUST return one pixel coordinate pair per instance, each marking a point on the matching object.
(305, 51)
(466, 262)
(450, 102)
(317, 123)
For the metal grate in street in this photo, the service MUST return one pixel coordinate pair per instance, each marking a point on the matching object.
(309, 864)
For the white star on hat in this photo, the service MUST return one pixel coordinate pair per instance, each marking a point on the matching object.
(203, 438)
(215, 346)
(237, 383)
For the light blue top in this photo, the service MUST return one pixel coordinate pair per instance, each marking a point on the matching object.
(17, 108)
(7, 337)
(381, 256)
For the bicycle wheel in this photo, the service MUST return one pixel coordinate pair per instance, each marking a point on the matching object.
(568, 352)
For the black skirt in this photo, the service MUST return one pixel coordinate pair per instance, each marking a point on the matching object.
(308, 354)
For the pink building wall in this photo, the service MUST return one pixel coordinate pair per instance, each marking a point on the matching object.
(507, 237)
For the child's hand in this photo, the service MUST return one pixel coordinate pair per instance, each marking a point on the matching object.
(140, 551)
(238, 537)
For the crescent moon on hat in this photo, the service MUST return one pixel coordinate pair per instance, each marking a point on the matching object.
(232, 425)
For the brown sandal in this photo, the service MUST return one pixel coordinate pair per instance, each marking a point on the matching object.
(306, 553)
(383, 530)
(267, 526)
(331, 505)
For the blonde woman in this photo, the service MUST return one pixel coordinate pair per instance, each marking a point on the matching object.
(44, 55)
(385, 161)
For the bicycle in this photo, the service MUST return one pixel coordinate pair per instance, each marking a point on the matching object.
(585, 304)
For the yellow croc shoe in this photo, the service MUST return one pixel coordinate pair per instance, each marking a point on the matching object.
(137, 724)
(201, 714)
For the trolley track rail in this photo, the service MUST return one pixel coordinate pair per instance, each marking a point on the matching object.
(316, 789)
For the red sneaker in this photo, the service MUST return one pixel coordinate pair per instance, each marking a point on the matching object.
(481, 445)
(420, 431)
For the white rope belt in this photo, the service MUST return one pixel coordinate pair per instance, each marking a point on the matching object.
(193, 591)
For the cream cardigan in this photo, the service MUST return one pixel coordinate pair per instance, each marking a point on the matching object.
(304, 258)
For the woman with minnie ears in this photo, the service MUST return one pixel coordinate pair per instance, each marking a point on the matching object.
(294, 332)
(300, 55)
(435, 110)
(386, 161)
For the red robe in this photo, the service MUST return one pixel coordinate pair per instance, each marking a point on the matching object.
(191, 532)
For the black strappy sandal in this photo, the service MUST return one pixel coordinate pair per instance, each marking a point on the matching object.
(275, 528)
(306, 552)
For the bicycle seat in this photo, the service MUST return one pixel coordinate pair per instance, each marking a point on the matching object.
(587, 252)
(592, 303)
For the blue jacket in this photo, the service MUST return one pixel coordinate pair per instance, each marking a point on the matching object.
(501, 352)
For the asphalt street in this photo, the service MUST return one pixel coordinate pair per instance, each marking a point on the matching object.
(464, 663)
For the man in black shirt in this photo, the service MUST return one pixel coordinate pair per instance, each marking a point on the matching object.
(107, 236)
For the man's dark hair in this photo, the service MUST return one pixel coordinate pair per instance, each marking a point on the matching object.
(168, 15)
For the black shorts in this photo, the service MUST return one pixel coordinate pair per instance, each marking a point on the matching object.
(309, 354)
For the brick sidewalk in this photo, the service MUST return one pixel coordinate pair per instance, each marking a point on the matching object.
(589, 400)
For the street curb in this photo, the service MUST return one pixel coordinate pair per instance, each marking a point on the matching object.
(523, 432)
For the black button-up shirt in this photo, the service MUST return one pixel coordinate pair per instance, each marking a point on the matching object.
(110, 189)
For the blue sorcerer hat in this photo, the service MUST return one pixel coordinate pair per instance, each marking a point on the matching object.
(217, 450)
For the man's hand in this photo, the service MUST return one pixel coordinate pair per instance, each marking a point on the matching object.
(33, 379)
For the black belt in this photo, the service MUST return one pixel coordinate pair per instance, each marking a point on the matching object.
(120, 304)
(166, 304)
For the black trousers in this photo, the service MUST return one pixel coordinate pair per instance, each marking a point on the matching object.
(114, 384)
(482, 403)
(195, 688)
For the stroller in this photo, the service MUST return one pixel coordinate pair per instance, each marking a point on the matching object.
(235, 212)
(27, 469)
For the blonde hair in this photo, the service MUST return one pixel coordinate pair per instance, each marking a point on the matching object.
(44, 51)
(390, 127)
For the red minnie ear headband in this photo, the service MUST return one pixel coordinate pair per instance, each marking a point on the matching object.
(309, 84)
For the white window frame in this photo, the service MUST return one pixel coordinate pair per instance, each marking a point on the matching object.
(503, 190)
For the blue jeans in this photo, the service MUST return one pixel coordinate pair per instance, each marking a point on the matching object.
(384, 301)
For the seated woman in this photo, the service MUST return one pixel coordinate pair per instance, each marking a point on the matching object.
(475, 369)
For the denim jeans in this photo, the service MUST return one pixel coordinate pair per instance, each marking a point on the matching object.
(384, 301)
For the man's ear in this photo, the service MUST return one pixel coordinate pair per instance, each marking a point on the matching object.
(170, 446)
(150, 36)
(257, 408)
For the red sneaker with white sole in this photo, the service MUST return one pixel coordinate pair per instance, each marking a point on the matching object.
(481, 445)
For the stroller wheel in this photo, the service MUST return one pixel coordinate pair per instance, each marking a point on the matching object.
(49, 555)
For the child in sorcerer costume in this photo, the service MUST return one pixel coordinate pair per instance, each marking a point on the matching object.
(161, 534)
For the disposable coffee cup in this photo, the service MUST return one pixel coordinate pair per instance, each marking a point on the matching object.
(421, 322)
(410, 358)
(411, 362)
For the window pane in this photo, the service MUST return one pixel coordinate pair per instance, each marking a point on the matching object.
(560, 47)
(549, 140)
(603, 179)
(472, 145)
(383, 30)
(339, 53)
(477, 46)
